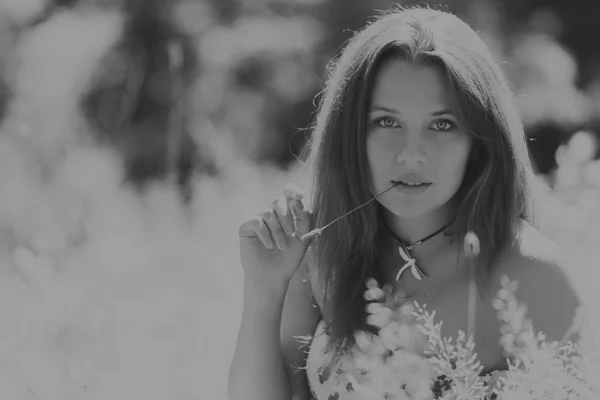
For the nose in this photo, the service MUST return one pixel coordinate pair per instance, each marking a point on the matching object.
(412, 152)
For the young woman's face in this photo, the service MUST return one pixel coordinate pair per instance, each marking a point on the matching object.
(412, 136)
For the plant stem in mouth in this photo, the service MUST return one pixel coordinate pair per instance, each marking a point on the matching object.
(318, 231)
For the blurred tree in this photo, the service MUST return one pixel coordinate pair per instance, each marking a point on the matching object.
(228, 10)
(262, 66)
(139, 102)
(571, 22)
(6, 39)
(261, 73)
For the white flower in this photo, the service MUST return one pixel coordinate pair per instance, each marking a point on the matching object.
(402, 336)
(369, 343)
(379, 315)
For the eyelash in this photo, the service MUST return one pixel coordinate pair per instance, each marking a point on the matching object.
(452, 124)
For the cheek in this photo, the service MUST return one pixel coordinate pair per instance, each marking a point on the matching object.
(454, 157)
(375, 155)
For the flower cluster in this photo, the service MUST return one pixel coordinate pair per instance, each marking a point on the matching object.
(539, 369)
(410, 359)
(390, 365)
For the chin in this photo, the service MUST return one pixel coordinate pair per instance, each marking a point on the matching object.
(408, 211)
(412, 209)
(408, 207)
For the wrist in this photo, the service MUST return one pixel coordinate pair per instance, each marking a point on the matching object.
(264, 299)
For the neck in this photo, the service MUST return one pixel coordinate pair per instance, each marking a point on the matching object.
(411, 230)
(429, 253)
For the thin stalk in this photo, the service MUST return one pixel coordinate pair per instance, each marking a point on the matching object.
(318, 231)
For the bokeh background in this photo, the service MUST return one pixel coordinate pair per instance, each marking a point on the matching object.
(137, 134)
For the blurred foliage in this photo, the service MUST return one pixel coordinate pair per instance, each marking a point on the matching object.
(252, 71)
(272, 57)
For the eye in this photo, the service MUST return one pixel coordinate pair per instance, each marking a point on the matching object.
(444, 125)
(387, 122)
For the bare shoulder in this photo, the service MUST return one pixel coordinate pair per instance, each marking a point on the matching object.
(537, 264)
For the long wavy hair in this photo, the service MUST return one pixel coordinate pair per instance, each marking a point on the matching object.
(494, 194)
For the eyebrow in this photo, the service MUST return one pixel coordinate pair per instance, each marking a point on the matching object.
(445, 111)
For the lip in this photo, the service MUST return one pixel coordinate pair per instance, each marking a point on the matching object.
(410, 178)
(404, 189)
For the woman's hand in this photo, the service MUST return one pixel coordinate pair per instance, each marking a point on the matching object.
(271, 248)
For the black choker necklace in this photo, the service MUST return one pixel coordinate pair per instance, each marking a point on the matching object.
(410, 262)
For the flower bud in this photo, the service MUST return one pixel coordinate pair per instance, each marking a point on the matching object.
(471, 245)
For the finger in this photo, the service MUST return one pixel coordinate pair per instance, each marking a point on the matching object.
(275, 228)
(302, 218)
(293, 192)
(282, 211)
(248, 228)
(256, 227)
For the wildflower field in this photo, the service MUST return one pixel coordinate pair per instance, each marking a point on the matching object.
(109, 293)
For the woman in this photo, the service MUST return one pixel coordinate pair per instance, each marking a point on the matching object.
(414, 103)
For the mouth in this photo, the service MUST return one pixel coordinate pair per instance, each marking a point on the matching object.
(411, 184)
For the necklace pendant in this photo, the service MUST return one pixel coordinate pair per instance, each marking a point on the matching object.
(410, 263)
(401, 271)
(415, 272)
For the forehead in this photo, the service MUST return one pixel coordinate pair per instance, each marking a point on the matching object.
(398, 83)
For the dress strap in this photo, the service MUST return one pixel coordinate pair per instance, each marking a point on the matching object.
(472, 304)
